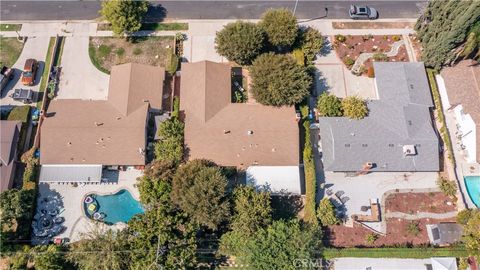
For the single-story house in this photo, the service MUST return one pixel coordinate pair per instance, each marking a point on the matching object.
(396, 135)
(435, 263)
(262, 140)
(10, 134)
(444, 234)
(80, 137)
(462, 95)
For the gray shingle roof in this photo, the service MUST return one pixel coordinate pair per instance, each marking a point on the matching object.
(399, 117)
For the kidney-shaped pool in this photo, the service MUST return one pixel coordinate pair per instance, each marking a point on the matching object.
(113, 208)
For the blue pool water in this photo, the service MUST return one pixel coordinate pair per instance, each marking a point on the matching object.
(118, 207)
(473, 188)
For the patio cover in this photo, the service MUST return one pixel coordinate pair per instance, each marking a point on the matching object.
(71, 173)
(276, 179)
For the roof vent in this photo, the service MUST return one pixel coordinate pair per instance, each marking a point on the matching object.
(118, 117)
(98, 124)
(274, 149)
(250, 132)
(69, 143)
(353, 133)
(226, 131)
(409, 150)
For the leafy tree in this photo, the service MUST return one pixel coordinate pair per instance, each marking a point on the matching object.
(279, 245)
(326, 213)
(170, 145)
(155, 185)
(101, 250)
(16, 208)
(311, 42)
(199, 189)
(49, 258)
(278, 80)
(354, 108)
(240, 42)
(280, 26)
(329, 105)
(471, 233)
(19, 260)
(443, 27)
(124, 15)
(464, 215)
(252, 210)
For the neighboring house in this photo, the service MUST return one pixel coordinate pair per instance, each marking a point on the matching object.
(436, 263)
(10, 134)
(397, 134)
(462, 94)
(80, 137)
(262, 140)
(444, 234)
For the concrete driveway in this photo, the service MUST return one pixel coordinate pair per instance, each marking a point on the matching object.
(80, 79)
(35, 47)
(200, 44)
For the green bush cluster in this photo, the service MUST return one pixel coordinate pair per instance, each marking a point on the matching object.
(352, 107)
(448, 187)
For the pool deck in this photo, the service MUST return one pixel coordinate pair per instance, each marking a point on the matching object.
(71, 200)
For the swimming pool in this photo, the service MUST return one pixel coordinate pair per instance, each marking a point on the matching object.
(113, 208)
(473, 188)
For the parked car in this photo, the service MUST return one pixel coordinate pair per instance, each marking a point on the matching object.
(5, 76)
(23, 95)
(29, 72)
(362, 12)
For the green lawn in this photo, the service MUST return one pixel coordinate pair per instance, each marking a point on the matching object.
(10, 27)
(19, 113)
(414, 253)
(10, 49)
(151, 26)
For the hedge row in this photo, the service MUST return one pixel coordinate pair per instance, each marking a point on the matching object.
(401, 252)
(441, 117)
(309, 169)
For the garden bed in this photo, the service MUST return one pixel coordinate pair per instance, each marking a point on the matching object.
(106, 52)
(433, 202)
(397, 234)
(372, 25)
(348, 48)
(10, 50)
(174, 26)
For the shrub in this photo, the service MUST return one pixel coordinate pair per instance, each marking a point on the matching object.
(326, 213)
(354, 108)
(104, 50)
(448, 187)
(371, 238)
(396, 38)
(172, 62)
(348, 62)
(120, 52)
(412, 228)
(329, 105)
(311, 42)
(463, 216)
(371, 72)
(299, 56)
(340, 38)
(176, 107)
(137, 51)
(380, 57)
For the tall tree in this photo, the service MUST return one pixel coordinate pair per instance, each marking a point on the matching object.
(199, 189)
(280, 26)
(155, 184)
(124, 15)
(101, 250)
(170, 145)
(49, 258)
(444, 26)
(278, 80)
(471, 233)
(311, 42)
(240, 42)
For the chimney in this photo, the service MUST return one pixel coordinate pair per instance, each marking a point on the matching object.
(250, 132)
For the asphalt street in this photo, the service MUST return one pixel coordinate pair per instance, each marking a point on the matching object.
(204, 9)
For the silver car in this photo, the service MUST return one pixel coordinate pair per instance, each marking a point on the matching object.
(362, 12)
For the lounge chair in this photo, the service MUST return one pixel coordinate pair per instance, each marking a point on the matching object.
(344, 199)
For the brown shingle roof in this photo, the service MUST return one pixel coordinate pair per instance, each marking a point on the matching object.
(110, 132)
(9, 131)
(463, 87)
(133, 84)
(217, 129)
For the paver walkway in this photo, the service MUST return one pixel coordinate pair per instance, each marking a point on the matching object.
(365, 56)
(421, 215)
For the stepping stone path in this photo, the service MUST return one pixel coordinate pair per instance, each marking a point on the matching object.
(365, 56)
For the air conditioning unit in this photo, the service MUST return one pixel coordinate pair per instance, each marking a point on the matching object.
(409, 150)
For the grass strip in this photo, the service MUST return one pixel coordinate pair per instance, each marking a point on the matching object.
(401, 253)
(10, 27)
(441, 117)
(46, 71)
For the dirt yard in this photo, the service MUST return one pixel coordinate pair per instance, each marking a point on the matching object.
(106, 52)
(433, 202)
(348, 48)
(397, 234)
